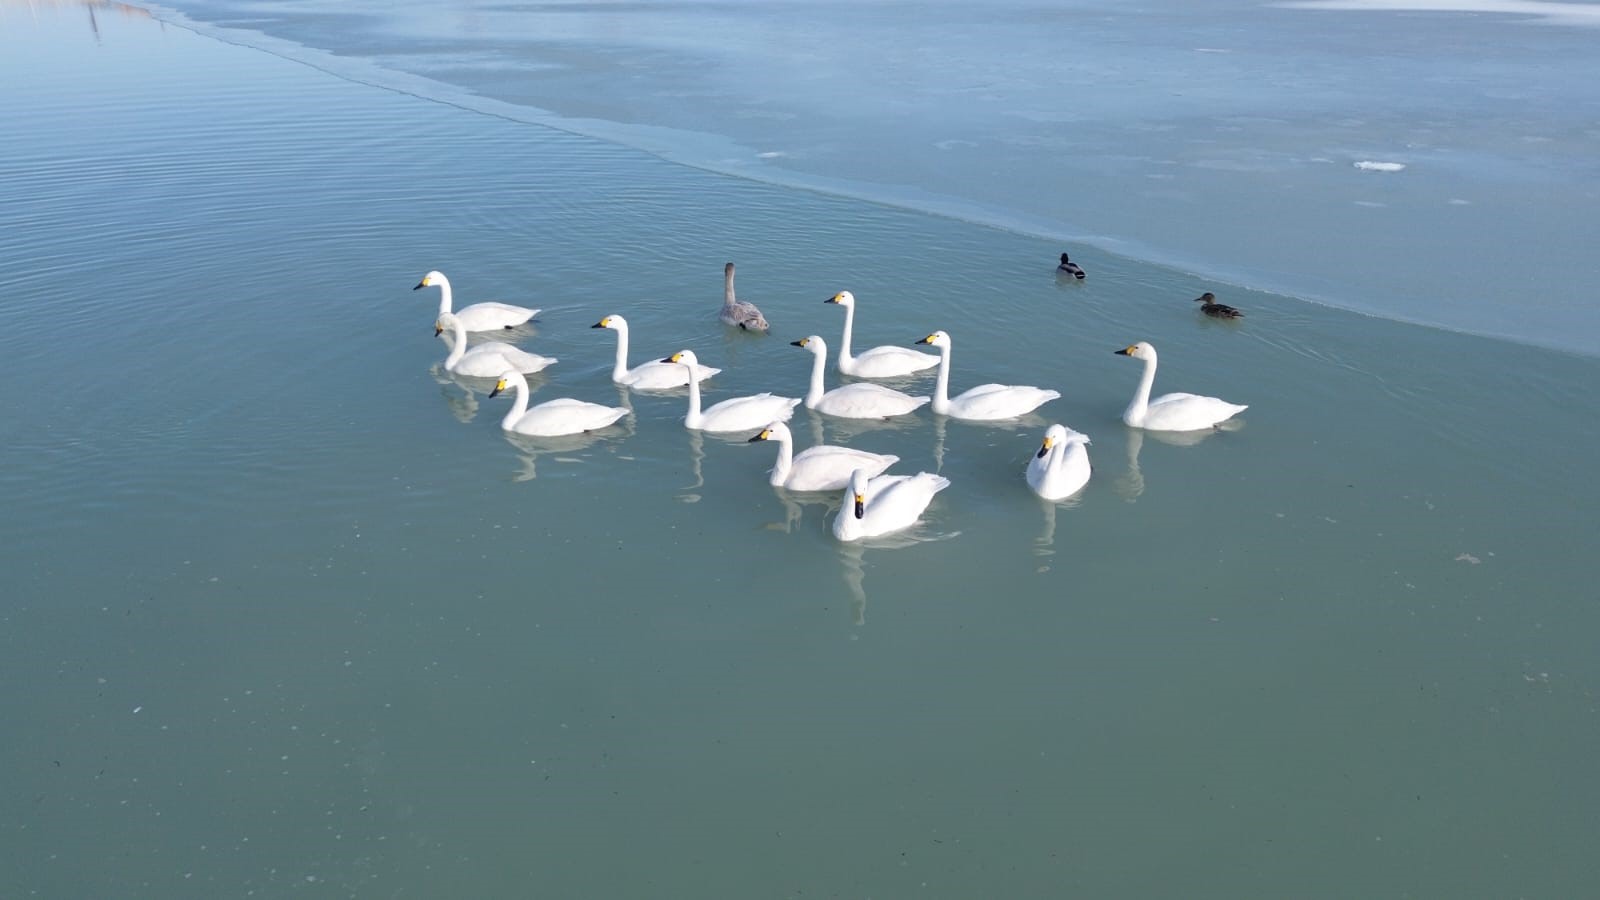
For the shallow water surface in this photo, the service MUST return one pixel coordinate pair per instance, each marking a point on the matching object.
(284, 610)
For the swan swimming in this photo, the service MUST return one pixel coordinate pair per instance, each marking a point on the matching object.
(883, 504)
(736, 312)
(825, 467)
(737, 414)
(554, 417)
(1171, 412)
(887, 361)
(654, 375)
(485, 360)
(861, 400)
(1061, 467)
(489, 316)
(986, 402)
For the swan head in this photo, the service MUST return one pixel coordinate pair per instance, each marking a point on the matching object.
(616, 322)
(446, 322)
(683, 358)
(1141, 350)
(812, 343)
(777, 431)
(937, 339)
(432, 279)
(1053, 436)
(1207, 297)
(858, 491)
(843, 298)
(507, 379)
(727, 271)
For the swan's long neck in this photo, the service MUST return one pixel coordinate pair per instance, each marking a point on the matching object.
(519, 407)
(849, 327)
(1141, 397)
(727, 290)
(780, 469)
(693, 418)
(941, 390)
(818, 363)
(621, 368)
(444, 295)
(847, 527)
(458, 334)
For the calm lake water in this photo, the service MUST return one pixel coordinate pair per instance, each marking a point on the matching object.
(284, 611)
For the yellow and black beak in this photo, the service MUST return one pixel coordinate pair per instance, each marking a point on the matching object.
(799, 343)
(601, 323)
(765, 434)
(498, 387)
(421, 284)
(437, 329)
(926, 340)
(673, 358)
(833, 299)
(1043, 449)
(1125, 351)
(861, 506)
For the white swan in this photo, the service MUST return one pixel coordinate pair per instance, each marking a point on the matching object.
(861, 400)
(887, 361)
(488, 316)
(825, 467)
(986, 401)
(736, 312)
(1061, 467)
(488, 359)
(1171, 412)
(654, 375)
(885, 503)
(737, 414)
(554, 417)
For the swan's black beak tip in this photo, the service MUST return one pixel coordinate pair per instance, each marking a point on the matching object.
(419, 286)
(1122, 352)
(1043, 449)
(861, 507)
(797, 343)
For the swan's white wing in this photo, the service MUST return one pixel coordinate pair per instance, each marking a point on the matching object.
(567, 416)
(752, 412)
(888, 361)
(827, 467)
(657, 375)
(491, 359)
(1000, 401)
(867, 401)
(1188, 412)
(490, 316)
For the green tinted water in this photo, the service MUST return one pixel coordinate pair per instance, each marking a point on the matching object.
(284, 610)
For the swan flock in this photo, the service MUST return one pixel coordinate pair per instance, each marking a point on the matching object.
(873, 502)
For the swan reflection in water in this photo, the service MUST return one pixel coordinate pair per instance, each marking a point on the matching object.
(852, 558)
(1042, 546)
(530, 448)
(697, 457)
(1131, 484)
(460, 392)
